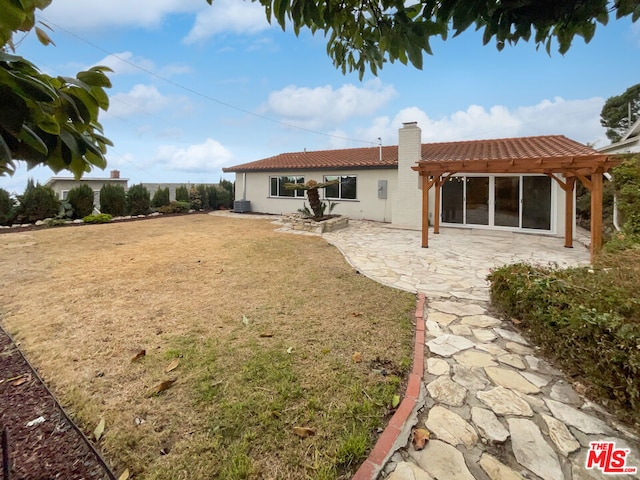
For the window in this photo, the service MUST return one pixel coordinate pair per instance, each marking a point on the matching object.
(63, 194)
(277, 188)
(345, 190)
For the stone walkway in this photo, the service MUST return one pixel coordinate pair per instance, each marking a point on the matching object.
(495, 410)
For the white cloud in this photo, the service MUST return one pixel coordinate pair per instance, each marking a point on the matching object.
(205, 157)
(145, 100)
(228, 16)
(325, 106)
(576, 119)
(90, 14)
(126, 63)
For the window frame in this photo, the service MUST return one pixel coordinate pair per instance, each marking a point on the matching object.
(328, 178)
(298, 179)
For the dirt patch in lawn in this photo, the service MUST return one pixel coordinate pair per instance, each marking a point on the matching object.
(256, 329)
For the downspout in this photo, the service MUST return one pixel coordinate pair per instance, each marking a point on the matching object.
(615, 204)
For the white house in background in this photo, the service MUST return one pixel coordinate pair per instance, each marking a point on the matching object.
(629, 143)
(378, 183)
(62, 185)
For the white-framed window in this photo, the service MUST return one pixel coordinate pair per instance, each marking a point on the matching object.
(277, 187)
(63, 194)
(347, 189)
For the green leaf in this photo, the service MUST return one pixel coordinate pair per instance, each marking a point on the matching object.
(43, 37)
(395, 401)
(94, 78)
(29, 137)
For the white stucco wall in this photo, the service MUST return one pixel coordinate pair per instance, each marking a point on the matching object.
(407, 198)
(367, 205)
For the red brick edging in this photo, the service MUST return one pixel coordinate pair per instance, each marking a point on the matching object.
(374, 463)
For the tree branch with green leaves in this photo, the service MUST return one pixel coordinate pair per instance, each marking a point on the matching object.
(45, 120)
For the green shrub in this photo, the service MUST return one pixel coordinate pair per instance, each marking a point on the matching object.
(182, 194)
(81, 200)
(585, 318)
(194, 199)
(627, 182)
(212, 197)
(160, 198)
(113, 200)
(175, 207)
(6, 207)
(138, 201)
(204, 196)
(37, 203)
(99, 218)
(223, 198)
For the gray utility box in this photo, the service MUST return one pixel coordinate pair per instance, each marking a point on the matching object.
(242, 206)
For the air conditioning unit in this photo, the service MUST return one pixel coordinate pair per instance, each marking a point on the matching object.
(241, 206)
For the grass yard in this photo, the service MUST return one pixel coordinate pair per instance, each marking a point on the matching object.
(260, 329)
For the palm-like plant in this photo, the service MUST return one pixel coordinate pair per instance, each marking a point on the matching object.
(313, 195)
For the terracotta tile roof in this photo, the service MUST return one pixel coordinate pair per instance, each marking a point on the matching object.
(369, 157)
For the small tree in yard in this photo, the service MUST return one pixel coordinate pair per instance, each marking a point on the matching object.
(182, 194)
(138, 201)
(161, 198)
(313, 195)
(113, 200)
(194, 199)
(204, 196)
(37, 203)
(212, 196)
(6, 207)
(81, 200)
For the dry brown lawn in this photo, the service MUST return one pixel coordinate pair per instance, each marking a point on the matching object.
(263, 324)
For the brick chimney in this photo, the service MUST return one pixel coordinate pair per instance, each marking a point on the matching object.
(407, 200)
(115, 174)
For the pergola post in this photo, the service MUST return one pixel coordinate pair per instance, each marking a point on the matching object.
(568, 212)
(436, 208)
(596, 213)
(425, 211)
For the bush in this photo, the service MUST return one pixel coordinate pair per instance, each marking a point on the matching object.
(160, 198)
(627, 182)
(194, 199)
(223, 198)
(6, 207)
(113, 200)
(585, 319)
(175, 207)
(212, 197)
(81, 200)
(99, 218)
(182, 194)
(37, 203)
(204, 196)
(138, 202)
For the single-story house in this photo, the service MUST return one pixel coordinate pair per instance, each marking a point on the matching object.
(629, 143)
(513, 184)
(62, 185)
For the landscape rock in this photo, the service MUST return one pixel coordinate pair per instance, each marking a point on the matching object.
(409, 471)
(475, 358)
(437, 366)
(497, 470)
(509, 335)
(444, 390)
(576, 418)
(447, 345)
(480, 321)
(531, 450)
(470, 378)
(442, 461)
(450, 427)
(510, 379)
(457, 308)
(504, 402)
(488, 425)
(559, 433)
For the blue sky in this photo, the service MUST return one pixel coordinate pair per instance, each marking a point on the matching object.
(205, 87)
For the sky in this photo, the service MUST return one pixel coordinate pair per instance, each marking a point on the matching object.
(197, 88)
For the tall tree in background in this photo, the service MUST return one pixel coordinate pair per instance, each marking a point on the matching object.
(615, 112)
(47, 120)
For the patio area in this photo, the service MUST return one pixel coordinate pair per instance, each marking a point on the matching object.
(455, 264)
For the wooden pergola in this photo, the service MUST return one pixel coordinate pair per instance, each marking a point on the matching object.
(588, 166)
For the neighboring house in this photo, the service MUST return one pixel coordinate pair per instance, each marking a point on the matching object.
(62, 185)
(629, 143)
(513, 184)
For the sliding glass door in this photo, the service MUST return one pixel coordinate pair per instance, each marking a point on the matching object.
(514, 201)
